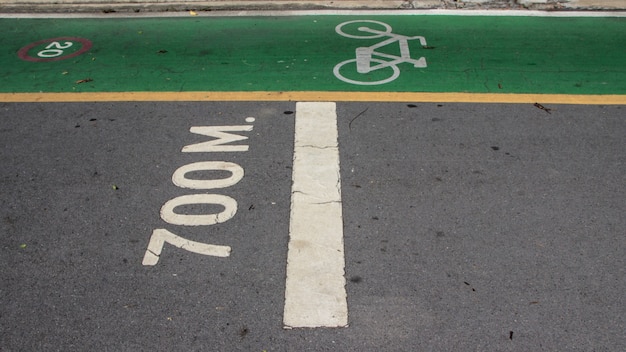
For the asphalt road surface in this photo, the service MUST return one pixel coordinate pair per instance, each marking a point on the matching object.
(466, 227)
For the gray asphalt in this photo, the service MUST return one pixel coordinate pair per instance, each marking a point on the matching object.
(467, 227)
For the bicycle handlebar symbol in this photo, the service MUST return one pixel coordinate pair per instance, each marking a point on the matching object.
(368, 59)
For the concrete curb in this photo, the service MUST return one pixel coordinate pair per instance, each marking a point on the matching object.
(109, 6)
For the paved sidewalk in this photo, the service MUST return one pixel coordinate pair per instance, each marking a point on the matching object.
(8, 6)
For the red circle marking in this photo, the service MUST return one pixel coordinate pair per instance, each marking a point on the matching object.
(23, 53)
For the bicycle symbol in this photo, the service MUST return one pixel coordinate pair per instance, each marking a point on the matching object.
(368, 59)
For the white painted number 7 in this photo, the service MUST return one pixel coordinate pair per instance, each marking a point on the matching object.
(160, 236)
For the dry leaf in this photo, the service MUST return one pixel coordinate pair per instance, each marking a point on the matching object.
(84, 80)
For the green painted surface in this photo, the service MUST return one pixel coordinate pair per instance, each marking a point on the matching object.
(465, 54)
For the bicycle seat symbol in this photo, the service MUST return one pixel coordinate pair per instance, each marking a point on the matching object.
(368, 59)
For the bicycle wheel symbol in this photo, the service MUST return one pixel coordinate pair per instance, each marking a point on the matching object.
(347, 28)
(337, 71)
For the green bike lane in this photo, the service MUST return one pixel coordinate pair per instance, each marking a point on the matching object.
(493, 56)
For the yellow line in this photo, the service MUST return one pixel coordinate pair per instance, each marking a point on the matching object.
(612, 99)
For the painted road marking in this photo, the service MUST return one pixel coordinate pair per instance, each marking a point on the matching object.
(221, 141)
(361, 29)
(315, 294)
(55, 49)
(338, 96)
(161, 236)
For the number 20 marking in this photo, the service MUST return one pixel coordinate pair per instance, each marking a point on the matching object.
(54, 49)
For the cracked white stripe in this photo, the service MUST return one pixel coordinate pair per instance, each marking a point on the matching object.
(315, 294)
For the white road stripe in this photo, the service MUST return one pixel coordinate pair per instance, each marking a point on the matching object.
(315, 294)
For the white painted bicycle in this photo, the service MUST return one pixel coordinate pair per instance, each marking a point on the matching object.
(368, 59)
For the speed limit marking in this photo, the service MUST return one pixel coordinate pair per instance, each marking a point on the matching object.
(54, 49)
